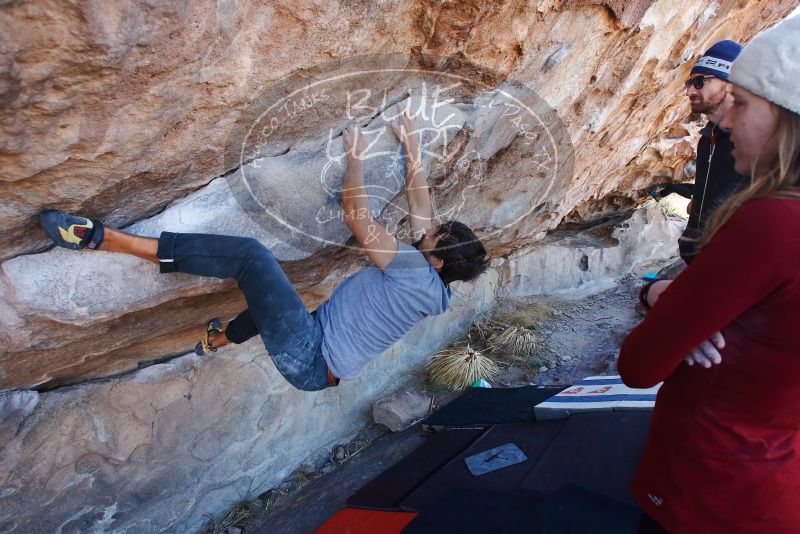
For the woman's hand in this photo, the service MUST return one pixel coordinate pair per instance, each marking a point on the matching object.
(655, 291)
(707, 353)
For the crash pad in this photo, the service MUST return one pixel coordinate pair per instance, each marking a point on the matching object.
(571, 509)
(597, 394)
(489, 406)
(597, 450)
(357, 521)
(387, 490)
(533, 439)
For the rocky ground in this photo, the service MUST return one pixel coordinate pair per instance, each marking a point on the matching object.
(576, 337)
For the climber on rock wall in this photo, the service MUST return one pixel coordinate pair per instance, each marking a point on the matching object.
(367, 312)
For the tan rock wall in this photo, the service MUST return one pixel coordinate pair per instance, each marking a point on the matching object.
(128, 110)
(118, 111)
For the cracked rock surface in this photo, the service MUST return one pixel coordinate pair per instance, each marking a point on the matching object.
(155, 449)
(156, 116)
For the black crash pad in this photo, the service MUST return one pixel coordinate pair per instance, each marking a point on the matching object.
(532, 438)
(573, 509)
(490, 406)
(387, 490)
(597, 450)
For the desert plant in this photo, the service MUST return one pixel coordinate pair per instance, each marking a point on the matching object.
(514, 340)
(457, 367)
(237, 514)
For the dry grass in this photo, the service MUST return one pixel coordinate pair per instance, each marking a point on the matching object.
(342, 454)
(238, 515)
(252, 510)
(457, 367)
(515, 341)
(527, 314)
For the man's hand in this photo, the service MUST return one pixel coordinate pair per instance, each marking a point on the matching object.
(353, 143)
(406, 129)
(420, 208)
(707, 353)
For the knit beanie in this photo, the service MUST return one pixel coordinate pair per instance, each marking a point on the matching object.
(718, 59)
(769, 66)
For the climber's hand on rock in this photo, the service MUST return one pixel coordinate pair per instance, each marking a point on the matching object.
(406, 128)
(707, 353)
(353, 143)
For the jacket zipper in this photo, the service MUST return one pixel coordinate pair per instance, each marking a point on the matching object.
(708, 173)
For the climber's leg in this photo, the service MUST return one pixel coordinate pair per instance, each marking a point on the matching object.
(76, 232)
(240, 329)
(291, 335)
(119, 241)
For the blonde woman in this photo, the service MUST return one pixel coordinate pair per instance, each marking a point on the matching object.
(723, 453)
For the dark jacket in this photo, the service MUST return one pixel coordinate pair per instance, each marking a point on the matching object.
(715, 182)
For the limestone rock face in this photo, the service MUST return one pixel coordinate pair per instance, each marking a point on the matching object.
(226, 117)
(118, 111)
(156, 449)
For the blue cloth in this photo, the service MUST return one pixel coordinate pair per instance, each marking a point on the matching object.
(718, 59)
(373, 308)
(292, 336)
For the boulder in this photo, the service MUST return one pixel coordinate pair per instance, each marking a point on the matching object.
(401, 409)
(158, 448)
(226, 117)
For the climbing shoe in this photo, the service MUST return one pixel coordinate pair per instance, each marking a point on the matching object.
(204, 346)
(71, 231)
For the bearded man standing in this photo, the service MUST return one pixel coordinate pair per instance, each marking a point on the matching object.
(709, 93)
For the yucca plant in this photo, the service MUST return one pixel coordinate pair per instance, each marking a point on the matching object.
(516, 341)
(457, 367)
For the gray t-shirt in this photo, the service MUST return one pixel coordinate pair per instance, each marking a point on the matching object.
(373, 308)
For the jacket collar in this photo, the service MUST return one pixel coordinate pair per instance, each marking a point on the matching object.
(709, 127)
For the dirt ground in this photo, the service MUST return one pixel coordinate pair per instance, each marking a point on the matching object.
(575, 338)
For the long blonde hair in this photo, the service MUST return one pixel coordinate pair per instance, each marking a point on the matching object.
(781, 179)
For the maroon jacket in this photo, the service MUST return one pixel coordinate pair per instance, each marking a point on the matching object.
(723, 452)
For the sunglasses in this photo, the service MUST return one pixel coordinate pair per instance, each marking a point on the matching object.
(697, 82)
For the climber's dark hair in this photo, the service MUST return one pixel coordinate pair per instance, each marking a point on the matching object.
(461, 251)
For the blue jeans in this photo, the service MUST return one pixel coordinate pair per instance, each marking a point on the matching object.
(292, 336)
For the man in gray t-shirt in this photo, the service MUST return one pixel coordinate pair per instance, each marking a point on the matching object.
(376, 306)
(372, 309)
(366, 314)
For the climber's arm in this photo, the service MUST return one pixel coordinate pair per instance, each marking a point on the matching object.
(420, 208)
(377, 242)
